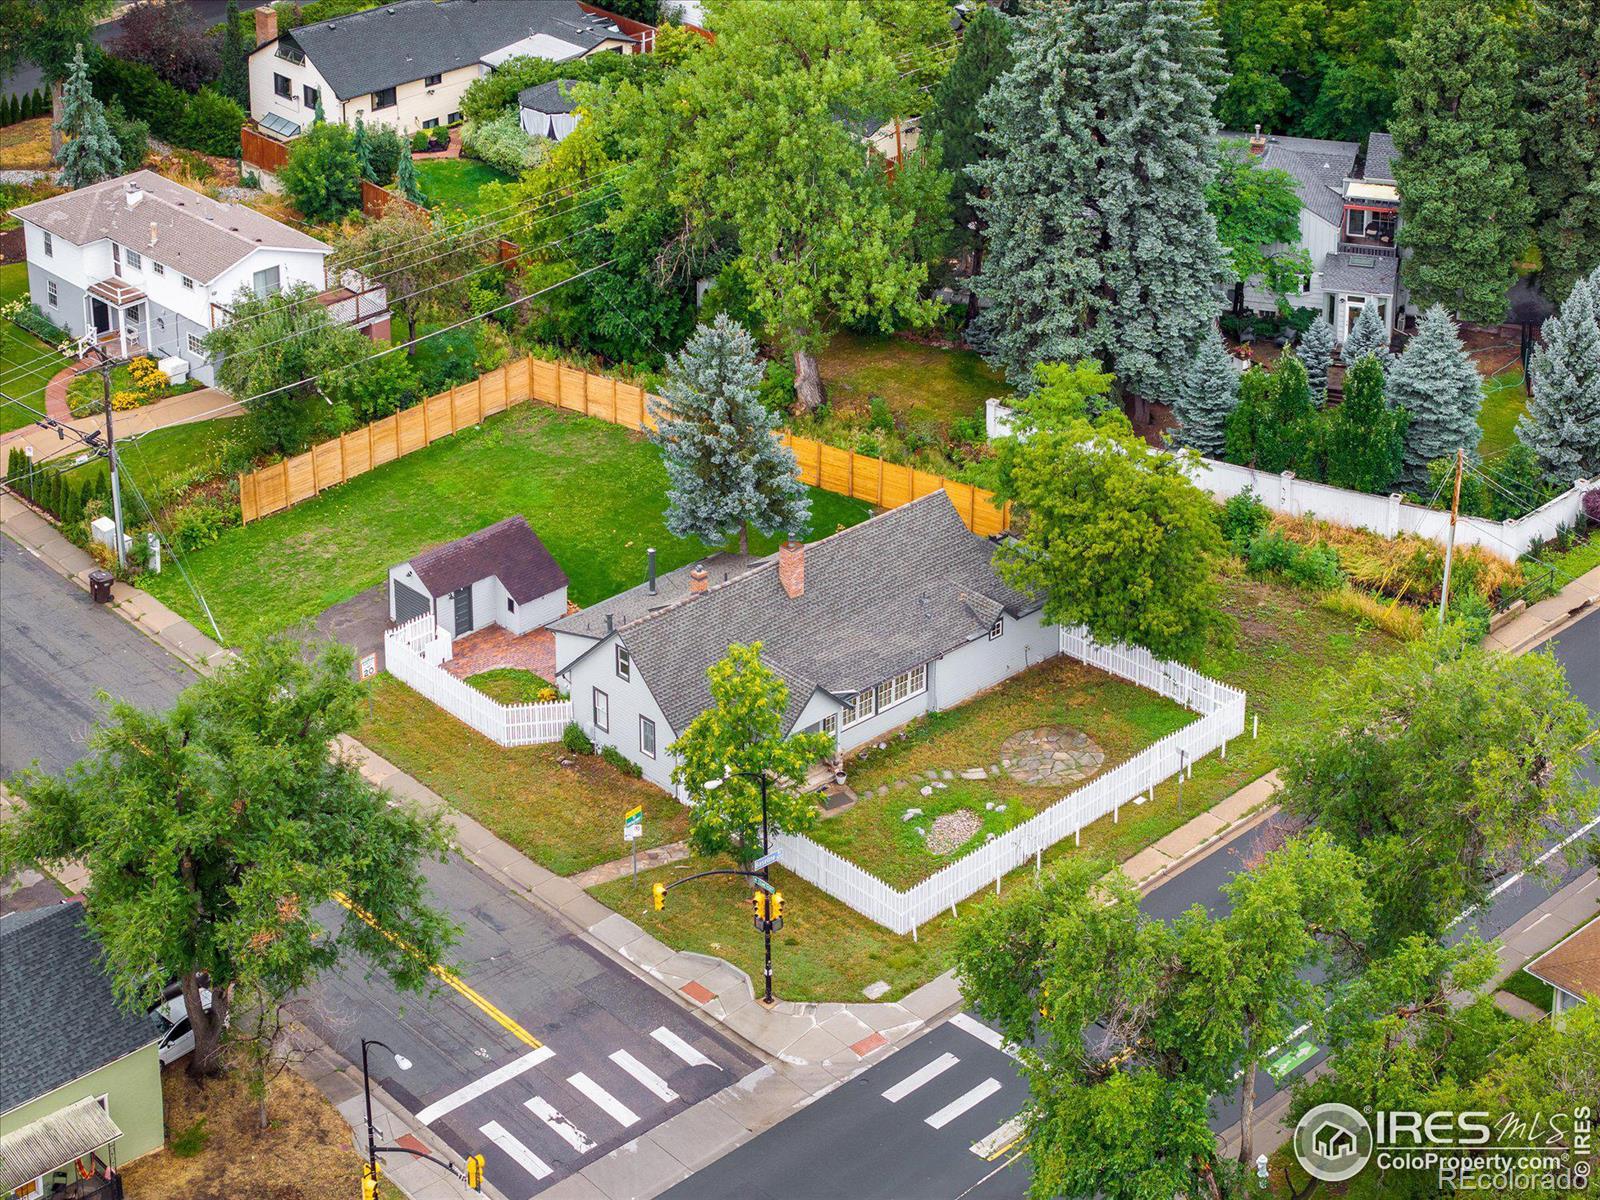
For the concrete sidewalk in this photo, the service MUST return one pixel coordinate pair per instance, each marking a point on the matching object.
(1548, 617)
(202, 405)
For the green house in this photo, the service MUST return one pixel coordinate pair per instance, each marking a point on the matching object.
(80, 1081)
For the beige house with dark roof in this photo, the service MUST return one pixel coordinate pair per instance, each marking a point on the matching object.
(147, 266)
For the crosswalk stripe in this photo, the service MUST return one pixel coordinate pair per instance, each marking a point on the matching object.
(963, 1102)
(487, 1083)
(983, 1033)
(1000, 1140)
(515, 1150)
(559, 1125)
(644, 1075)
(616, 1109)
(919, 1077)
(681, 1048)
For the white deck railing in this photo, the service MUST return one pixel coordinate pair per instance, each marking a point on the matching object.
(506, 724)
(1222, 712)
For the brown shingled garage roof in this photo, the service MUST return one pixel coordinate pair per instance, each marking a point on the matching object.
(1572, 965)
(509, 550)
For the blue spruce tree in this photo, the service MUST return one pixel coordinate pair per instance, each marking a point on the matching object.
(1316, 351)
(1437, 385)
(1369, 335)
(1562, 423)
(89, 152)
(1204, 399)
(725, 470)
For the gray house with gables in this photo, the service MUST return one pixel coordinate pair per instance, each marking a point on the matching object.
(869, 628)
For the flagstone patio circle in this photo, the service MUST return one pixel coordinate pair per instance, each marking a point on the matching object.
(1051, 754)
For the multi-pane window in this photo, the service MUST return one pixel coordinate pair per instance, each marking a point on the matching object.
(902, 687)
(433, 80)
(998, 628)
(647, 736)
(624, 662)
(157, 268)
(859, 709)
(49, 245)
(188, 283)
(602, 711)
(135, 260)
(196, 344)
(52, 293)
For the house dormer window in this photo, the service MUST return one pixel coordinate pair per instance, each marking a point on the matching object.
(998, 628)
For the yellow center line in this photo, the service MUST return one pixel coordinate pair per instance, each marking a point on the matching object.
(448, 977)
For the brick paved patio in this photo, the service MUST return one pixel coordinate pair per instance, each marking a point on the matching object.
(486, 649)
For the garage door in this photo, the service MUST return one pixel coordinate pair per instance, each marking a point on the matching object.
(409, 603)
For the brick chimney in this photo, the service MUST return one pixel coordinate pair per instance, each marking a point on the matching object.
(266, 24)
(699, 581)
(792, 568)
(1258, 143)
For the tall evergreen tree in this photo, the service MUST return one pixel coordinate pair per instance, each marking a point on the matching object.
(1100, 242)
(725, 470)
(1561, 100)
(1562, 422)
(1316, 351)
(1364, 438)
(1464, 204)
(89, 151)
(405, 178)
(1205, 397)
(1436, 384)
(234, 79)
(361, 143)
(1369, 335)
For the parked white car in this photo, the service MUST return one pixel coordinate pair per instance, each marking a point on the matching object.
(177, 1035)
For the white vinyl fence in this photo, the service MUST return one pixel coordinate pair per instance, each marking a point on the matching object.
(406, 655)
(1386, 515)
(1221, 710)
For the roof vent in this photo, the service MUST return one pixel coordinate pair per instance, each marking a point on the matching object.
(651, 579)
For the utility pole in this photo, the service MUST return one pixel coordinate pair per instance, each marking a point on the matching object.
(111, 454)
(1450, 545)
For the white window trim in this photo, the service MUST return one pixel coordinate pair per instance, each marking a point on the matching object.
(134, 259)
(50, 292)
(997, 629)
(188, 283)
(853, 713)
(600, 705)
(196, 346)
(623, 662)
(157, 267)
(644, 722)
(902, 687)
(49, 244)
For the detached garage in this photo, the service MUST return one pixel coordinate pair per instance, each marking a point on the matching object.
(502, 575)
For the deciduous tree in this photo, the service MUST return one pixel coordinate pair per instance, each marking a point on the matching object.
(1103, 247)
(155, 35)
(1464, 204)
(90, 152)
(1561, 103)
(1561, 425)
(1442, 766)
(1257, 211)
(725, 470)
(1437, 384)
(1117, 538)
(322, 176)
(421, 262)
(740, 736)
(214, 833)
(1205, 397)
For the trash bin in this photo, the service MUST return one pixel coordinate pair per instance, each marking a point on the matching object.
(100, 586)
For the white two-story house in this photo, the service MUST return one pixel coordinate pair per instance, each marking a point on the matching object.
(1348, 218)
(407, 64)
(147, 266)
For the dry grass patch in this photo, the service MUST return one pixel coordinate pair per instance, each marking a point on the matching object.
(1407, 567)
(306, 1153)
(26, 145)
(567, 819)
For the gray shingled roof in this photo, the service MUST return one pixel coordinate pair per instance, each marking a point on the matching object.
(58, 1018)
(1381, 155)
(880, 597)
(1319, 168)
(195, 234)
(554, 96)
(627, 607)
(508, 550)
(1348, 271)
(412, 39)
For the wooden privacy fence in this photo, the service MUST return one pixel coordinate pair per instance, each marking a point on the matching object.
(262, 152)
(279, 486)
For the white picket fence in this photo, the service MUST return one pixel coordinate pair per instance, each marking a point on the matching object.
(506, 724)
(1222, 713)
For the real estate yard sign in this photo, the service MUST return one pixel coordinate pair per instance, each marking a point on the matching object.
(632, 830)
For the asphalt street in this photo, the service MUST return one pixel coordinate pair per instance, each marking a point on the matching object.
(855, 1143)
(552, 1055)
(931, 1122)
(58, 650)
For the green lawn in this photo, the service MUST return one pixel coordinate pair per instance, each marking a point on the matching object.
(26, 363)
(566, 819)
(454, 182)
(179, 452)
(1503, 402)
(1534, 991)
(510, 685)
(592, 490)
(920, 383)
(874, 833)
(829, 952)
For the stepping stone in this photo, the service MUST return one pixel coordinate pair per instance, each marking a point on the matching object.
(926, 790)
(900, 783)
(873, 990)
(931, 774)
(911, 814)
(883, 789)
(948, 774)
(993, 770)
(974, 773)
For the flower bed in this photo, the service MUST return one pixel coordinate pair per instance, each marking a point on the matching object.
(133, 385)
